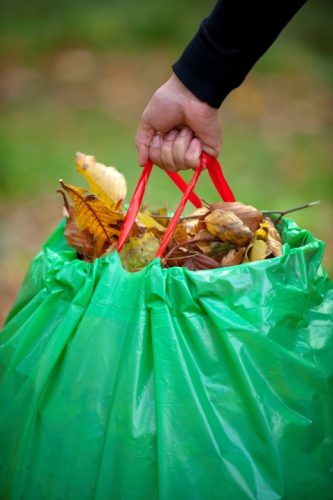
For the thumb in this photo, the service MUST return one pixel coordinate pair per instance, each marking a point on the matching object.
(207, 128)
(211, 140)
(143, 138)
(212, 151)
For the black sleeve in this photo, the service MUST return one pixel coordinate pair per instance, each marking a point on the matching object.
(229, 42)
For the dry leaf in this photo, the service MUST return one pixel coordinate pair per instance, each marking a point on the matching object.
(161, 215)
(149, 222)
(233, 257)
(106, 183)
(268, 234)
(93, 216)
(180, 234)
(209, 246)
(82, 241)
(274, 238)
(219, 249)
(258, 250)
(178, 256)
(228, 227)
(199, 262)
(194, 220)
(204, 246)
(138, 252)
(251, 216)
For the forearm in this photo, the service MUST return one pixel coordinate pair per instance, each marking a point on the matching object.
(229, 42)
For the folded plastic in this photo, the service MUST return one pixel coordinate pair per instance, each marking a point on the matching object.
(167, 383)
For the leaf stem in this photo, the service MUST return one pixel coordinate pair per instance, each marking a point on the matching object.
(183, 257)
(169, 217)
(294, 209)
(188, 243)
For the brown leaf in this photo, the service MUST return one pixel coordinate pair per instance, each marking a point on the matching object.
(94, 217)
(180, 234)
(251, 216)
(204, 246)
(200, 262)
(178, 256)
(233, 257)
(274, 239)
(228, 227)
(214, 249)
(82, 241)
(194, 222)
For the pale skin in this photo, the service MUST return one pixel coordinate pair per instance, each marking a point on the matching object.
(176, 127)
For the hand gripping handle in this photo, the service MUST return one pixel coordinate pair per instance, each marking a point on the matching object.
(215, 172)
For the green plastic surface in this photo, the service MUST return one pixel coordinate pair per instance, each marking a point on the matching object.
(169, 384)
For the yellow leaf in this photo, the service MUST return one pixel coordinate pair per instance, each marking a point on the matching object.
(160, 213)
(92, 216)
(268, 233)
(149, 222)
(138, 252)
(106, 183)
(261, 233)
(258, 250)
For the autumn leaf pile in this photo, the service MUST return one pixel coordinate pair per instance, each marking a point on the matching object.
(217, 235)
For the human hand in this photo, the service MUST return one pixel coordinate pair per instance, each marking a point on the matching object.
(176, 127)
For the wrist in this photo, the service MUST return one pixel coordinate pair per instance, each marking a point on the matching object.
(180, 89)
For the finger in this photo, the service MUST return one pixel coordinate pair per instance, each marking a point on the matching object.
(143, 138)
(167, 160)
(192, 155)
(155, 149)
(180, 147)
(207, 127)
(212, 151)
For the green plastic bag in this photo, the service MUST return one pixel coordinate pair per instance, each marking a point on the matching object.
(167, 383)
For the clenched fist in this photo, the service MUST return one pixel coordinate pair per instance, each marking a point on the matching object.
(176, 127)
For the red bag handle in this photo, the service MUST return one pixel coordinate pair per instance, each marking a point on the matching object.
(215, 172)
(182, 185)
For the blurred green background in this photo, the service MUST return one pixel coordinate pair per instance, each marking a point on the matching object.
(76, 75)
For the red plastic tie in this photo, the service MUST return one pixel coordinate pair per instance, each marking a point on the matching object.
(182, 185)
(134, 204)
(215, 173)
(174, 221)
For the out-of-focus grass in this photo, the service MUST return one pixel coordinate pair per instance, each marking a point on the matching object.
(37, 28)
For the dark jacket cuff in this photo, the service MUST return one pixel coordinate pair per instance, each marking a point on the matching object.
(202, 71)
